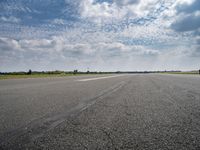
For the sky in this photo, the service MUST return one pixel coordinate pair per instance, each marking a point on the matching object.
(102, 35)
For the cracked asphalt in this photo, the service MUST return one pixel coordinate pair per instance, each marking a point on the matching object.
(141, 111)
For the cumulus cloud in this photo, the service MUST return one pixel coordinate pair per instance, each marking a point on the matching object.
(53, 53)
(188, 22)
(187, 16)
(98, 10)
(9, 44)
(44, 52)
(126, 2)
(100, 34)
(59, 21)
(10, 19)
(59, 44)
(187, 6)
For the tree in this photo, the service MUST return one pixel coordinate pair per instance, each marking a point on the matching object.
(75, 71)
(29, 72)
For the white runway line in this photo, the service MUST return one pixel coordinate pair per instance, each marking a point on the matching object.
(90, 79)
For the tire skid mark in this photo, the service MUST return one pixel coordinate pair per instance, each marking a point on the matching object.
(38, 127)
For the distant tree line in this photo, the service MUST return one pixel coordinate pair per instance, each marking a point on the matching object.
(57, 72)
(30, 72)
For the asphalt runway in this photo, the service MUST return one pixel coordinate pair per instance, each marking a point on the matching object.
(139, 111)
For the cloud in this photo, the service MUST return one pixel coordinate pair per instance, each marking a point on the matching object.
(99, 10)
(118, 2)
(188, 16)
(57, 51)
(126, 2)
(190, 22)
(187, 6)
(10, 19)
(9, 44)
(118, 10)
(58, 21)
(100, 34)
(60, 44)
(187, 21)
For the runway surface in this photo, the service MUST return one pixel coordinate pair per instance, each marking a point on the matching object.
(140, 111)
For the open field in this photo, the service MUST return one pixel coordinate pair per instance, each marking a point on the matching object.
(140, 111)
(22, 76)
(32, 76)
(186, 72)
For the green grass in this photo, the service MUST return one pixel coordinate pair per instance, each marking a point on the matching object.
(33, 76)
(186, 72)
(40, 75)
